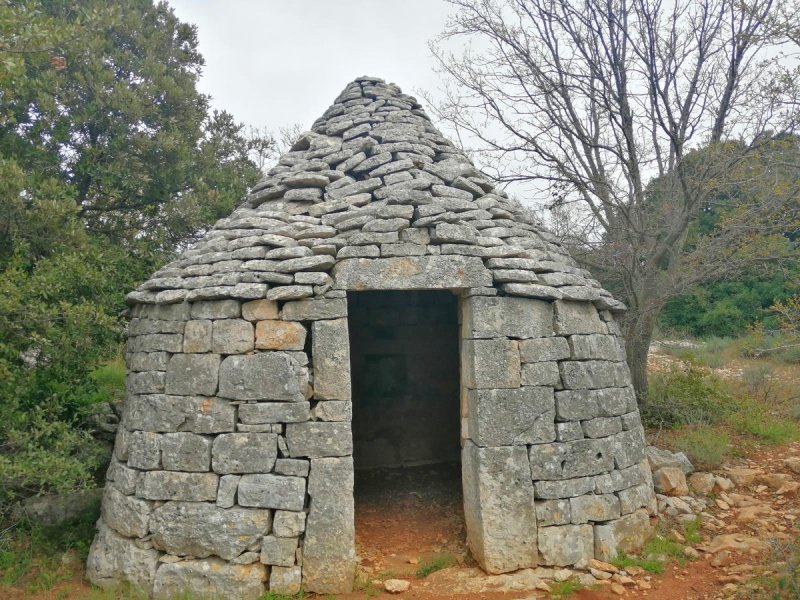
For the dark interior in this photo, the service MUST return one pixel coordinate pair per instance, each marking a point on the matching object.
(405, 375)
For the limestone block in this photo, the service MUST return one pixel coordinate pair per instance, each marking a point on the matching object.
(331, 355)
(232, 336)
(638, 496)
(114, 559)
(272, 491)
(190, 374)
(593, 374)
(156, 342)
(411, 273)
(627, 447)
(449, 233)
(260, 310)
(333, 410)
(578, 318)
(314, 310)
(185, 452)
(126, 515)
(278, 551)
(702, 483)
(490, 364)
(601, 427)
(288, 524)
(265, 376)
(245, 452)
(594, 507)
(125, 478)
(670, 481)
(511, 417)
(297, 467)
(568, 460)
(144, 451)
(145, 382)
(216, 309)
(209, 578)
(661, 457)
(620, 479)
(147, 361)
(163, 312)
(566, 545)
(285, 580)
(172, 485)
(498, 507)
(317, 439)
(552, 512)
(197, 336)
(508, 316)
(543, 349)
(541, 373)
(569, 431)
(626, 534)
(178, 413)
(631, 420)
(280, 335)
(597, 347)
(200, 530)
(329, 542)
(226, 493)
(274, 412)
(574, 405)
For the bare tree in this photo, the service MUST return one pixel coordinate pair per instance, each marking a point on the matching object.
(630, 112)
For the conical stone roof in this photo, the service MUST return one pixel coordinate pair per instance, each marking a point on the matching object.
(373, 178)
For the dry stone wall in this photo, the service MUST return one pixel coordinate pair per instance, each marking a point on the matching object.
(232, 470)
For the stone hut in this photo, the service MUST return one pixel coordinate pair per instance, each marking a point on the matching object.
(375, 301)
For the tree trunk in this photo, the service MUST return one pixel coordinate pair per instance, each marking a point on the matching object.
(638, 335)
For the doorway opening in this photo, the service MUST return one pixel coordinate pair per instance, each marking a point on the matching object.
(406, 425)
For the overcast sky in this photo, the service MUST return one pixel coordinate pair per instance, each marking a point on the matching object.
(274, 63)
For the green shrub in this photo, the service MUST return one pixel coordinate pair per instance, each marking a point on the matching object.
(431, 565)
(753, 420)
(705, 446)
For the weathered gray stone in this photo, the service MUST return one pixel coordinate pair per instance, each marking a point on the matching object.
(314, 310)
(498, 507)
(597, 347)
(661, 457)
(290, 292)
(197, 336)
(260, 310)
(185, 452)
(245, 452)
(529, 290)
(638, 496)
(329, 542)
(147, 361)
(226, 493)
(317, 439)
(178, 413)
(265, 376)
(511, 417)
(593, 374)
(285, 580)
(543, 349)
(568, 431)
(566, 545)
(209, 578)
(125, 479)
(569, 460)
(411, 273)
(190, 374)
(330, 349)
(333, 410)
(126, 515)
(171, 485)
(274, 412)
(216, 309)
(626, 534)
(490, 364)
(601, 427)
(448, 233)
(278, 551)
(541, 373)
(485, 317)
(594, 507)
(297, 467)
(627, 447)
(232, 336)
(272, 491)
(288, 524)
(114, 559)
(552, 512)
(156, 342)
(145, 382)
(582, 404)
(280, 335)
(144, 451)
(578, 318)
(200, 530)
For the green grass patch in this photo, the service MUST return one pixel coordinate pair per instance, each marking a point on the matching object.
(753, 420)
(661, 548)
(691, 531)
(650, 565)
(276, 596)
(705, 446)
(565, 589)
(431, 565)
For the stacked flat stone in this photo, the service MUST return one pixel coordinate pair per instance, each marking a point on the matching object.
(232, 471)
